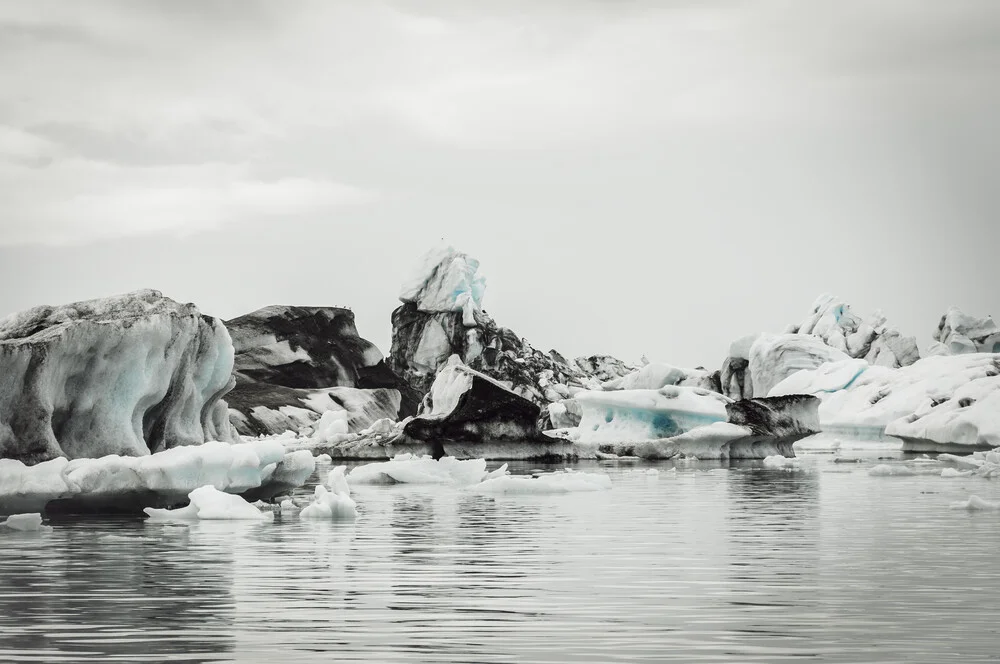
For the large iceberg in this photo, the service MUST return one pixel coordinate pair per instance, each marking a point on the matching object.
(441, 316)
(465, 413)
(127, 484)
(294, 363)
(958, 333)
(936, 404)
(691, 422)
(126, 375)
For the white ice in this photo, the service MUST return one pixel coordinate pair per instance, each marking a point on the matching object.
(975, 503)
(777, 461)
(31, 522)
(547, 483)
(936, 403)
(233, 468)
(333, 503)
(446, 280)
(410, 469)
(209, 504)
(773, 358)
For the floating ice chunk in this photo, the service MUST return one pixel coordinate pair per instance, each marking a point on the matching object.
(652, 472)
(885, 470)
(548, 483)
(777, 461)
(410, 469)
(330, 505)
(953, 472)
(288, 507)
(208, 503)
(24, 522)
(324, 459)
(975, 503)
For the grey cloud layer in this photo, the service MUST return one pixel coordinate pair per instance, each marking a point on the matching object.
(682, 172)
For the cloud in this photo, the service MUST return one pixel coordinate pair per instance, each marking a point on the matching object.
(60, 200)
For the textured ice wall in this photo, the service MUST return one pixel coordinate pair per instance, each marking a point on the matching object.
(127, 375)
(936, 404)
(773, 358)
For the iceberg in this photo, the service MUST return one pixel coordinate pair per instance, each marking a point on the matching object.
(126, 484)
(335, 503)
(292, 364)
(544, 484)
(411, 469)
(446, 280)
(166, 365)
(874, 340)
(638, 415)
(31, 522)
(975, 503)
(958, 333)
(209, 504)
(940, 403)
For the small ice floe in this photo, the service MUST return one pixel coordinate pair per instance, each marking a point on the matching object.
(208, 503)
(975, 503)
(126, 538)
(953, 472)
(779, 462)
(886, 470)
(653, 472)
(546, 483)
(324, 459)
(411, 469)
(333, 503)
(31, 522)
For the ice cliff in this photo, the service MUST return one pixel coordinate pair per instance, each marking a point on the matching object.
(127, 375)
(295, 363)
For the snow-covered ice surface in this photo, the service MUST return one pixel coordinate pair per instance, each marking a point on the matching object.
(939, 403)
(120, 482)
(209, 504)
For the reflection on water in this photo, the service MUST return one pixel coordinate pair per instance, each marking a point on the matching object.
(705, 564)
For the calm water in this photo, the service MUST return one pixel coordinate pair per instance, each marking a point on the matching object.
(703, 564)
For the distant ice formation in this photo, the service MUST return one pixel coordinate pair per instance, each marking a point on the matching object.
(958, 333)
(774, 358)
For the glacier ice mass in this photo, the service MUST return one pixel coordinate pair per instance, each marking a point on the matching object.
(128, 375)
(938, 404)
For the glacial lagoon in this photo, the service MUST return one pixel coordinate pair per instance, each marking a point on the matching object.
(678, 562)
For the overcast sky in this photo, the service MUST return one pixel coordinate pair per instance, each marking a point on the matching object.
(636, 177)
